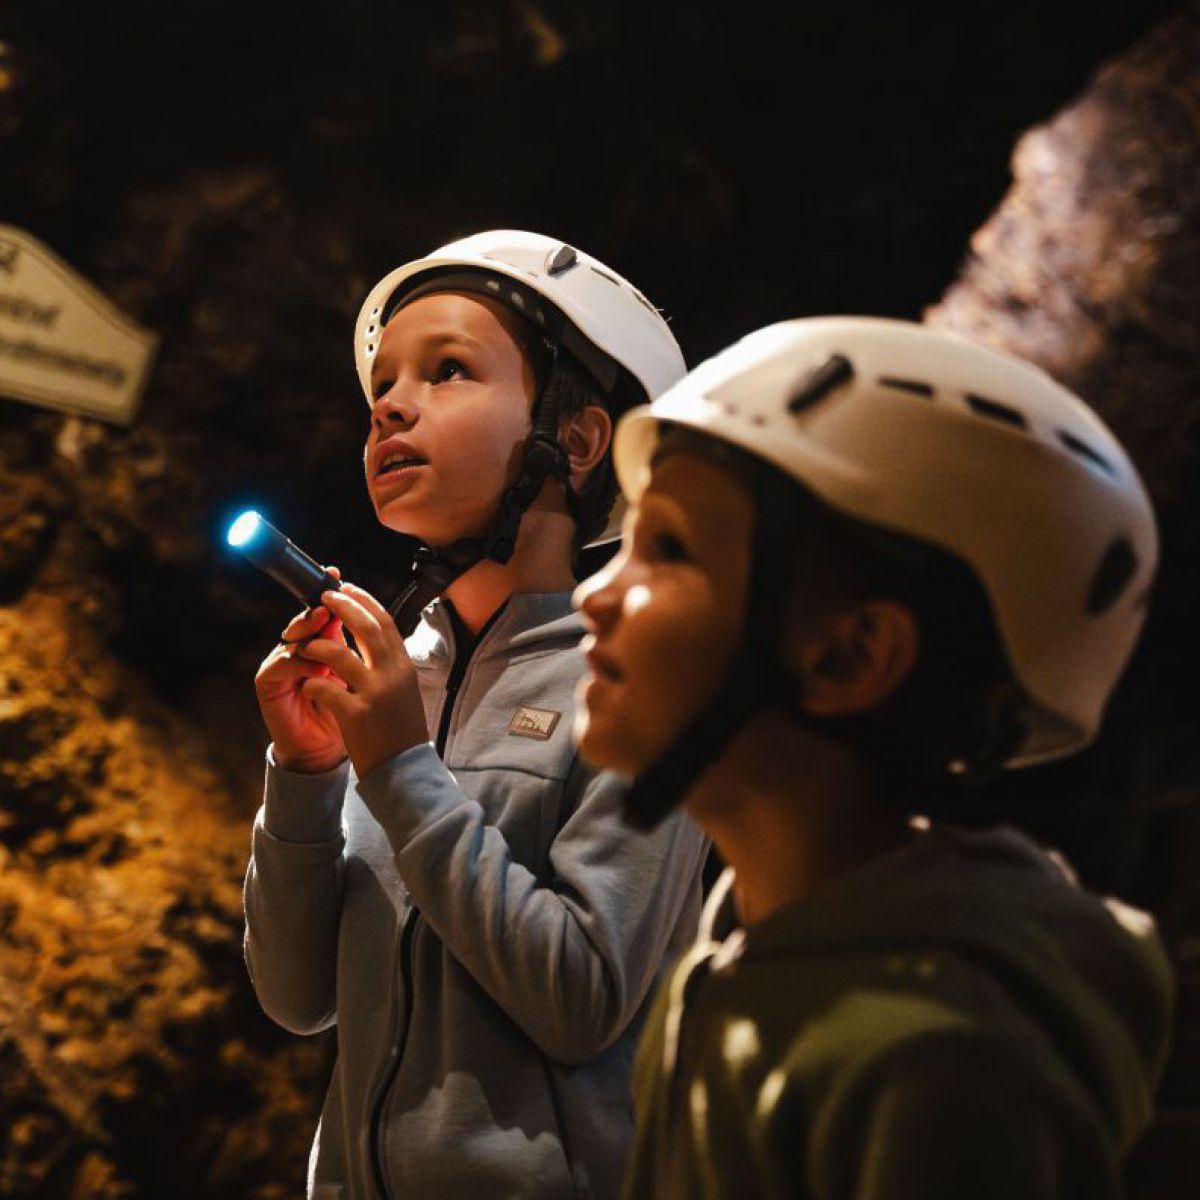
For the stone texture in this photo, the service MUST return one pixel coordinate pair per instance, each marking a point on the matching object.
(1091, 268)
(236, 181)
(134, 1062)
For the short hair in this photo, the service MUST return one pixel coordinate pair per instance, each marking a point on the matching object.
(575, 390)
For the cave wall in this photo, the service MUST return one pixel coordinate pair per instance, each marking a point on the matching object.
(235, 180)
(1090, 267)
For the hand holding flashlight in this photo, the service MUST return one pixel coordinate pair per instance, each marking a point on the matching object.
(372, 694)
(305, 735)
(321, 699)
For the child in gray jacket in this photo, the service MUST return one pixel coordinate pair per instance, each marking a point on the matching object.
(434, 870)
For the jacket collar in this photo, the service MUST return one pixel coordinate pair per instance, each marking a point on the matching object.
(530, 621)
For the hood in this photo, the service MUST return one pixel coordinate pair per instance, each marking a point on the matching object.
(1090, 971)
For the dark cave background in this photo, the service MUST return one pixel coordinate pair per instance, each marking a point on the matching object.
(235, 177)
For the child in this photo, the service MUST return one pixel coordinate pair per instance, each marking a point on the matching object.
(865, 553)
(461, 896)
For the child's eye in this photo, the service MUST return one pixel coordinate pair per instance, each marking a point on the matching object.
(449, 369)
(669, 548)
(381, 389)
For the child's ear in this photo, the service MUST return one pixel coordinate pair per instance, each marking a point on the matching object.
(856, 659)
(585, 437)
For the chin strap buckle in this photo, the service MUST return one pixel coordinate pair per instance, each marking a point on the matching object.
(433, 571)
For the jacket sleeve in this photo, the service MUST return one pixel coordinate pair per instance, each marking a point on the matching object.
(293, 897)
(952, 1113)
(572, 958)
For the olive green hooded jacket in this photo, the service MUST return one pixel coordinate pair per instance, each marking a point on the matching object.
(956, 1019)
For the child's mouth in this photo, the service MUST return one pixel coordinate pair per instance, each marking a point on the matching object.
(396, 463)
(601, 666)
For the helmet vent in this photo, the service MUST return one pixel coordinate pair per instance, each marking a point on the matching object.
(647, 305)
(561, 259)
(606, 275)
(915, 386)
(1083, 450)
(1117, 567)
(832, 373)
(993, 410)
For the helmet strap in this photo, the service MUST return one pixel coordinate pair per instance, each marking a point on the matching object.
(755, 678)
(544, 458)
(751, 684)
(433, 571)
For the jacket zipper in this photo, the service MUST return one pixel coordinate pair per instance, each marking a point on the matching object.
(465, 647)
(454, 680)
(453, 684)
(389, 1074)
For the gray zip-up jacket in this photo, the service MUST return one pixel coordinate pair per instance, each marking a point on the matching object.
(481, 927)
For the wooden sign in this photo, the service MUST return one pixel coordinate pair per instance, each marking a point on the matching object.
(62, 344)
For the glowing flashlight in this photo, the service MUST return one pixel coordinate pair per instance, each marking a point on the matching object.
(284, 561)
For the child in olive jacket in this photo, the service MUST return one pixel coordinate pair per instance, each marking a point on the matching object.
(863, 554)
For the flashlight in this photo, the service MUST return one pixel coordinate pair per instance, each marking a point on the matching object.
(284, 561)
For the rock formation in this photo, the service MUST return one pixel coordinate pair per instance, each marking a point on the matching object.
(136, 1064)
(1091, 268)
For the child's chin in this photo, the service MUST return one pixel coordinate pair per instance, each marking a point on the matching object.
(581, 732)
(593, 747)
(411, 524)
(604, 750)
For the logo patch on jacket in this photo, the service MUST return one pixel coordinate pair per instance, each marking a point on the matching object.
(533, 723)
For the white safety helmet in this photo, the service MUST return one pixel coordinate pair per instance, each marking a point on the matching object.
(603, 311)
(929, 435)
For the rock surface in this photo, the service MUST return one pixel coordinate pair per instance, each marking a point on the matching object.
(1091, 268)
(126, 1021)
(238, 194)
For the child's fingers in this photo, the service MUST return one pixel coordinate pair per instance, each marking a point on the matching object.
(305, 624)
(368, 602)
(340, 658)
(327, 693)
(283, 670)
(364, 626)
(332, 630)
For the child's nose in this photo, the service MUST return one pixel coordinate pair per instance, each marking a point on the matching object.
(596, 597)
(396, 407)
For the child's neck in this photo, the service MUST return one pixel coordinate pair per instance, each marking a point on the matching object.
(540, 563)
(792, 812)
